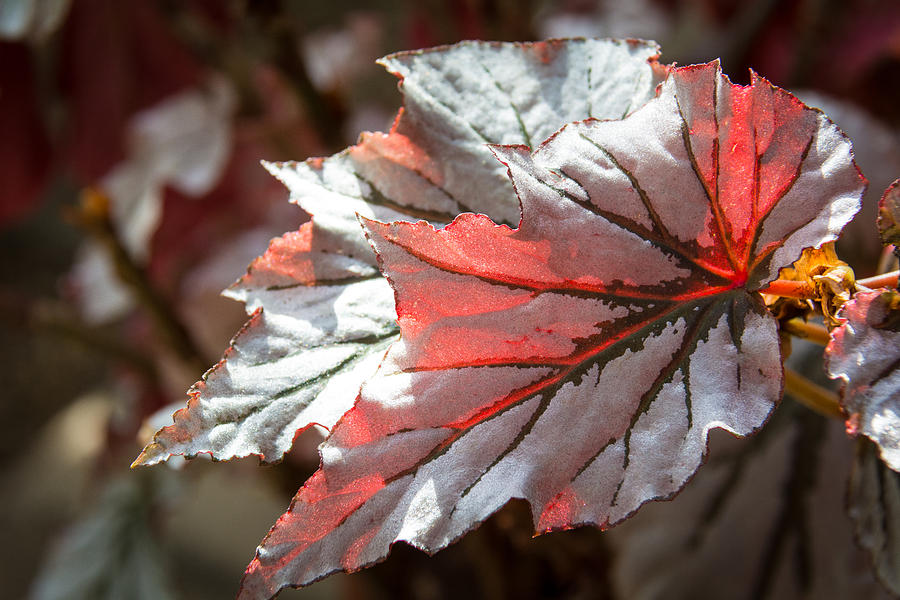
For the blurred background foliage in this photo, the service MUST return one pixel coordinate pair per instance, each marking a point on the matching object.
(131, 194)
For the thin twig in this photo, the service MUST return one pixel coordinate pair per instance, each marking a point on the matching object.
(811, 395)
(93, 216)
(325, 111)
(807, 331)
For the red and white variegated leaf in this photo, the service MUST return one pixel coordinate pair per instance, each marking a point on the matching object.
(322, 314)
(580, 360)
(865, 353)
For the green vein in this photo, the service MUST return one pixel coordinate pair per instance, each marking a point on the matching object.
(368, 340)
(326, 282)
(310, 383)
(522, 129)
(379, 199)
(462, 207)
(635, 184)
(455, 117)
(547, 396)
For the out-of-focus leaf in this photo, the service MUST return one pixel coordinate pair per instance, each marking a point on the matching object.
(637, 18)
(889, 216)
(334, 59)
(873, 503)
(32, 19)
(764, 518)
(580, 360)
(183, 142)
(322, 314)
(865, 353)
(111, 554)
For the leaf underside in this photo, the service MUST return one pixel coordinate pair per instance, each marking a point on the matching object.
(578, 361)
(889, 216)
(322, 315)
(865, 353)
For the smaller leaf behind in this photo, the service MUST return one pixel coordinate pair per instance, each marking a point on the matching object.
(112, 553)
(764, 518)
(865, 353)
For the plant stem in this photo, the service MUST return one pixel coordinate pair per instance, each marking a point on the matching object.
(878, 281)
(93, 216)
(325, 111)
(808, 331)
(799, 289)
(811, 395)
(790, 289)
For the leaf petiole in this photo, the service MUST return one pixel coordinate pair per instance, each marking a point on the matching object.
(879, 281)
(812, 395)
(790, 289)
(803, 291)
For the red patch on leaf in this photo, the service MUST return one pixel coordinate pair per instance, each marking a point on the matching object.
(560, 512)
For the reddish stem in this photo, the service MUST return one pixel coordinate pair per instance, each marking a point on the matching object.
(790, 289)
(879, 281)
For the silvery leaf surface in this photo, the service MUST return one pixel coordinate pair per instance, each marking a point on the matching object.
(322, 315)
(580, 360)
